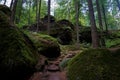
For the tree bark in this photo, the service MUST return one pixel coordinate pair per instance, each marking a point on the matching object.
(48, 26)
(77, 20)
(118, 4)
(104, 15)
(11, 4)
(94, 33)
(20, 10)
(14, 11)
(100, 24)
(29, 14)
(38, 19)
(4, 2)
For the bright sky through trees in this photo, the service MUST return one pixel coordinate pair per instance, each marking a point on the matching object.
(53, 5)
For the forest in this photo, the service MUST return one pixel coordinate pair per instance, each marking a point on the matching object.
(60, 39)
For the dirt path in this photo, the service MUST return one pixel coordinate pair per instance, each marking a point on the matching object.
(51, 72)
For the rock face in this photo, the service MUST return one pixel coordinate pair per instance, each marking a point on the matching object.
(46, 45)
(18, 55)
(95, 64)
(62, 29)
(85, 35)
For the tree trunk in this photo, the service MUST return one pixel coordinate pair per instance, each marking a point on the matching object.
(94, 33)
(38, 19)
(77, 20)
(104, 15)
(118, 4)
(4, 2)
(29, 15)
(14, 11)
(48, 26)
(20, 10)
(100, 24)
(36, 2)
(11, 4)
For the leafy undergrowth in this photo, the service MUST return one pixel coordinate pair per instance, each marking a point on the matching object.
(113, 39)
(95, 64)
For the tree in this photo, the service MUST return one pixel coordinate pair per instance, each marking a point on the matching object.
(4, 2)
(14, 11)
(94, 33)
(48, 26)
(118, 4)
(104, 16)
(100, 22)
(38, 13)
(77, 19)
(11, 4)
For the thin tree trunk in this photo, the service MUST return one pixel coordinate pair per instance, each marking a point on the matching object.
(77, 20)
(118, 4)
(4, 2)
(11, 4)
(94, 33)
(48, 26)
(104, 15)
(68, 17)
(36, 2)
(14, 11)
(100, 23)
(38, 19)
(29, 16)
(20, 10)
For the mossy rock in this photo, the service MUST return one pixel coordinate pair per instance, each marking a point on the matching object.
(46, 45)
(65, 36)
(85, 35)
(94, 64)
(18, 55)
(62, 32)
(66, 23)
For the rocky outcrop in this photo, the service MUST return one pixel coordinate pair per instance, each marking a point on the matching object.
(95, 64)
(46, 45)
(18, 55)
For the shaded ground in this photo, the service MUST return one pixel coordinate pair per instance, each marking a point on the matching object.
(51, 72)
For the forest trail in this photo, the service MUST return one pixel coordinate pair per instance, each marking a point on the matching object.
(51, 71)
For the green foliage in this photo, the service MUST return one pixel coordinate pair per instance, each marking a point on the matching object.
(113, 39)
(112, 42)
(94, 64)
(22, 13)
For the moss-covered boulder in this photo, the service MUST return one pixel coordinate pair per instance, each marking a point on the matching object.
(18, 55)
(66, 23)
(85, 35)
(46, 45)
(95, 64)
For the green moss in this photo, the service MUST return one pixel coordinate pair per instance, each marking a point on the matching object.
(94, 64)
(17, 57)
(15, 52)
(46, 45)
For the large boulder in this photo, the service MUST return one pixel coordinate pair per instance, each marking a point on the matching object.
(18, 55)
(46, 45)
(62, 29)
(95, 64)
(85, 35)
